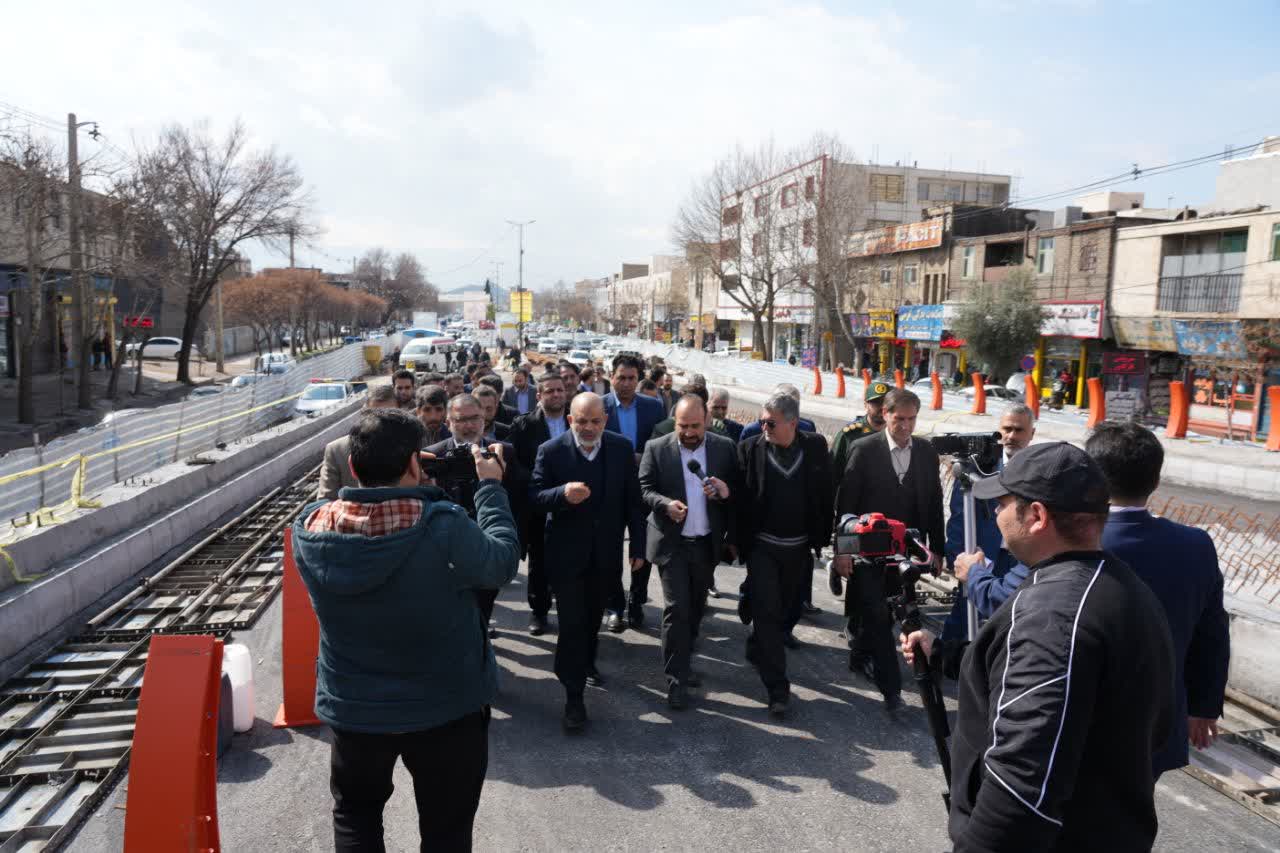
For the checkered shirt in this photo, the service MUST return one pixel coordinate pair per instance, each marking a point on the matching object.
(366, 519)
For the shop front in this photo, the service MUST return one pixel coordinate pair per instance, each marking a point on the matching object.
(1069, 348)
(928, 343)
(1146, 362)
(792, 329)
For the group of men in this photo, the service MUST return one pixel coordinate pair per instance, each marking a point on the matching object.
(682, 487)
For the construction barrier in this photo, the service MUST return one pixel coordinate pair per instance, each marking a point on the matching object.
(899, 378)
(979, 395)
(172, 800)
(1179, 410)
(299, 647)
(866, 378)
(1273, 406)
(936, 402)
(1033, 395)
(1097, 403)
(817, 382)
(839, 382)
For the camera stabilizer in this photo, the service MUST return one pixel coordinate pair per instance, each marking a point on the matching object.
(976, 454)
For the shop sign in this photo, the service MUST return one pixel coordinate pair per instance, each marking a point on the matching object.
(1221, 339)
(1124, 364)
(809, 357)
(1153, 333)
(920, 322)
(896, 238)
(883, 324)
(860, 325)
(1072, 320)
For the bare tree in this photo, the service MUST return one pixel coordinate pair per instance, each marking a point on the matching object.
(213, 195)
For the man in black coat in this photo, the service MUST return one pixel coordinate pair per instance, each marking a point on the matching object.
(691, 519)
(784, 517)
(719, 406)
(585, 481)
(891, 473)
(528, 433)
(466, 423)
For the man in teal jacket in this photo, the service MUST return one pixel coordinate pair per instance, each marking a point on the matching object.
(405, 668)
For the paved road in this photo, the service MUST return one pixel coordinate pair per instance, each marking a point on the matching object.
(837, 774)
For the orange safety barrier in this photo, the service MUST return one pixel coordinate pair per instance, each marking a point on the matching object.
(1273, 406)
(1179, 410)
(817, 381)
(839, 382)
(299, 646)
(172, 801)
(1033, 395)
(899, 379)
(936, 403)
(866, 378)
(1097, 404)
(979, 395)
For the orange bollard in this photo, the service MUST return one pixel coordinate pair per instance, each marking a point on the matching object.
(899, 379)
(1097, 404)
(172, 801)
(839, 382)
(299, 648)
(866, 378)
(936, 404)
(1273, 406)
(1180, 412)
(817, 381)
(1033, 395)
(979, 395)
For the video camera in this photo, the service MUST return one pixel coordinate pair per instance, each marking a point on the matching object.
(874, 537)
(455, 466)
(982, 447)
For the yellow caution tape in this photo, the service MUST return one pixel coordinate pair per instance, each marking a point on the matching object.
(13, 569)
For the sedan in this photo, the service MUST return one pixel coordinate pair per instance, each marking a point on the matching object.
(155, 348)
(998, 392)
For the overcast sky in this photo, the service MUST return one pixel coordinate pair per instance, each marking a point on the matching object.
(423, 126)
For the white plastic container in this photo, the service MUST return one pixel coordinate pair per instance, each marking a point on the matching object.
(238, 665)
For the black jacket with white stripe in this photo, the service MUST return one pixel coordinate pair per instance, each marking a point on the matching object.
(1064, 695)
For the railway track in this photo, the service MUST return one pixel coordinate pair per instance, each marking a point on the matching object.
(66, 721)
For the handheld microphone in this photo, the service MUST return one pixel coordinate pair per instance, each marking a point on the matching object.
(695, 468)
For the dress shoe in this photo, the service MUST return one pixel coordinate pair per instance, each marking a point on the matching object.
(635, 615)
(712, 592)
(835, 583)
(493, 631)
(615, 623)
(693, 679)
(778, 707)
(594, 678)
(575, 714)
(537, 625)
(808, 608)
(789, 640)
(893, 702)
(677, 697)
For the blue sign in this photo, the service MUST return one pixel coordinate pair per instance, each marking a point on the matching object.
(860, 325)
(920, 322)
(1216, 338)
(809, 357)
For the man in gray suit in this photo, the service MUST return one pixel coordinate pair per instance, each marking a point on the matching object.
(687, 479)
(335, 472)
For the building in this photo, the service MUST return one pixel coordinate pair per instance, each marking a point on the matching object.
(1250, 180)
(649, 300)
(469, 300)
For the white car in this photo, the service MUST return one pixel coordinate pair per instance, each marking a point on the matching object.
(275, 358)
(998, 392)
(244, 380)
(322, 395)
(427, 354)
(579, 357)
(547, 346)
(206, 391)
(155, 348)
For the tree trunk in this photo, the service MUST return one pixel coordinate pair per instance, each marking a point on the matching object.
(113, 382)
(188, 340)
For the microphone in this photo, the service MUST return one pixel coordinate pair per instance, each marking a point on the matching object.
(695, 468)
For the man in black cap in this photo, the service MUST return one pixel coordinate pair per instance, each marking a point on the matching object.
(1068, 689)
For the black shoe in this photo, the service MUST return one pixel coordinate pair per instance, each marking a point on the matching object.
(789, 640)
(594, 678)
(862, 665)
(537, 624)
(835, 583)
(693, 679)
(893, 702)
(778, 707)
(635, 615)
(615, 623)
(677, 697)
(575, 714)
(493, 631)
(712, 592)
(808, 607)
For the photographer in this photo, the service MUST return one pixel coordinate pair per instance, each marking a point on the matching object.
(466, 422)
(405, 670)
(1068, 689)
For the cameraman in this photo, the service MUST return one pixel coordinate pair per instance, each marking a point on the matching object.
(466, 422)
(404, 669)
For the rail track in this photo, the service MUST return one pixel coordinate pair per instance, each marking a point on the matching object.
(66, 721)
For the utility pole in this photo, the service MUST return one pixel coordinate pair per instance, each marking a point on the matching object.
(80, 307)
(290, 248)
(218, 354)
(520, 284)
(697, 328)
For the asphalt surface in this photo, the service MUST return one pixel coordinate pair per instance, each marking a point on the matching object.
(838, 774)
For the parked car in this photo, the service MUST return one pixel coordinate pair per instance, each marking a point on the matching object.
(548, 346)
(579, 357)
(244, 380)
(322, 395)
(283, 359)
(155, 348)
(998, 392)
(425, 355)
(206, 391)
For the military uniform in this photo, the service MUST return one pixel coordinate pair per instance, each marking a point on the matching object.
(853, 431)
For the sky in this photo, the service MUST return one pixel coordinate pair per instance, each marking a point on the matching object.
(425, 126)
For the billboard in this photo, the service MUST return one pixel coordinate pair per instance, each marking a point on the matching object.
(1223, 339)
(883, 324)
(896, 238)
(1153, 333)
(1072, 320)
(860, 325)
(522, 305)
(921, 322)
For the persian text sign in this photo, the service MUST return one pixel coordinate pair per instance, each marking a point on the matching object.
(883, 324)
(896, 238)
(1072, 320)
(920, 322)
(1222, 339)
(1155, 333)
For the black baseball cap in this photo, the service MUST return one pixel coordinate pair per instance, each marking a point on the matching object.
(1057, 474)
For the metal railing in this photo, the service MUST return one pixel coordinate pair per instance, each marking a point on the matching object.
(1207, 294)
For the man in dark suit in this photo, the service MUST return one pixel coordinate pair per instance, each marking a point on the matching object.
(891, 473)
(466, 423)
(528, 433)
(488, 399)
(690, 522)
(504, 414)
(784, 516)
(804, 424)
(633, 416)
(1180, 564)
(335, 471)
(521, 396)
(586, 482)
(719, 407)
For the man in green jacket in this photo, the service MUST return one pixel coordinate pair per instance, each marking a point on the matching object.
(405, 668)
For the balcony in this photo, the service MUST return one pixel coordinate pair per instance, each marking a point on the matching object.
(1201, 294)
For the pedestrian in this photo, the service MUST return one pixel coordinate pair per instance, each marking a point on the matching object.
(691, 521)
(521, 396)
(586, 482)
(896, 475)
(718, 403)
(335, 470)
(784, 514)
(505, 415)
(1068, 690)
(488, 400)
(803, 424)
(107, 354)
(430, 403)
(402, 557)
(1180, 564)
(96, 350)
(402, 381)
(871, 421)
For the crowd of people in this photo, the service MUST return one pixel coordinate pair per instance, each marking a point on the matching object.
(1103, 654)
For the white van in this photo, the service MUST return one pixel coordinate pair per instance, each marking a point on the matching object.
(425, 355)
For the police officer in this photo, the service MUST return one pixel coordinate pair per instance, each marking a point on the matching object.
(866, 424)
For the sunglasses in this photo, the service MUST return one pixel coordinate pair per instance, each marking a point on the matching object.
(768, 423)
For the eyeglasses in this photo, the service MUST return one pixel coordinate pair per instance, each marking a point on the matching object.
(469, 419)
(768, 423)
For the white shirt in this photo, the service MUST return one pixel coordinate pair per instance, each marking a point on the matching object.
(696, 522)
(1113, 508)
(900, 456)
(590, 454)
(556, 426)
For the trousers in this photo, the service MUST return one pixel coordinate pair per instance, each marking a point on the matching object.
(869, 622)
(629, 589)
(776, 578)
(685, 578)
(538, 590)
(579, 606)
(448, 765)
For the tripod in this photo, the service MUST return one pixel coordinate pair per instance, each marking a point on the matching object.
(965, 470)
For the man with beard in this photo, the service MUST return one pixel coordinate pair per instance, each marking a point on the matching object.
(488, 399)
(431, 400)
(403, 383)
(719, 408)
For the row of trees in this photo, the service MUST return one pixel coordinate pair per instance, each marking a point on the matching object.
(301, 303)
(399, 281)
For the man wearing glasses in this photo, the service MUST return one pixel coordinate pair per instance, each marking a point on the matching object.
(785, 507)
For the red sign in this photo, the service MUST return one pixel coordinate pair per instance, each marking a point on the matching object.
(143, 322)
(1124, 363)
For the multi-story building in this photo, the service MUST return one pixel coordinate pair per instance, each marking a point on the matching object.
(650, 299)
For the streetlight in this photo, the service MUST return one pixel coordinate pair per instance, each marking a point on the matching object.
(520, 283)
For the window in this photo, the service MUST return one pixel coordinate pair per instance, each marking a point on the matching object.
(1044, 256)
(729, 250)
(757, 245)
(922, 190)
(909, 275)
(788, 195)
(1088, 258)
(970, 255)
(55, 212)
(886, 187)
(810, 188)
(986, 193)
(886, 275)
(758, 205)
(943, 293)
(731, 215)
(808, 232)
(1275, 242)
